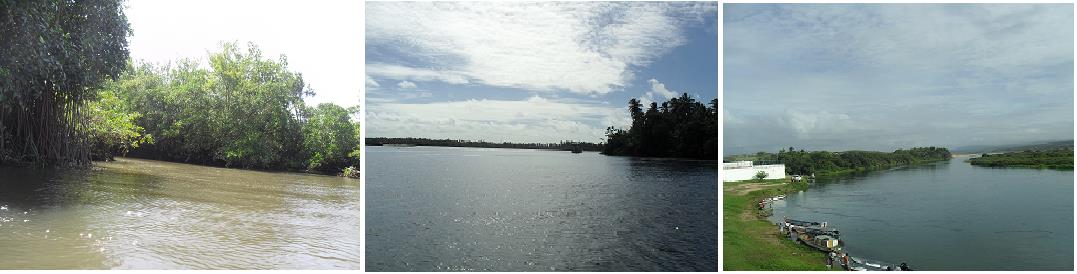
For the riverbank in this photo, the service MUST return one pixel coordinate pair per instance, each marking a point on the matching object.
(842, 172)
(750, 242)
(346, 172)
(1039, 159)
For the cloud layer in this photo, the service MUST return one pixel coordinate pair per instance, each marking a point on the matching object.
(535, 119)
(588, 48)
(884, 76)
(528, 71)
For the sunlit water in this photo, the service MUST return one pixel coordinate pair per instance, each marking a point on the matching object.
(948, 216)
(140, 214)
(439, 209)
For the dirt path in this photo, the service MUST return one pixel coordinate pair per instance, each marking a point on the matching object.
(743, 189)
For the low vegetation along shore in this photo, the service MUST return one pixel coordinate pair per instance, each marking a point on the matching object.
(749, 241)
(1061, 159)
(824, 163)
(679, 128)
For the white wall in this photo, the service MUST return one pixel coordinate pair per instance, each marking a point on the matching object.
(737, 164)
(747, 173)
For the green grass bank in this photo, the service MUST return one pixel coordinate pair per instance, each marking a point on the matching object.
(750, 242)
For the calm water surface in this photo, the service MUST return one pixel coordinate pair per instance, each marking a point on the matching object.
(437, 208)
(948, 216)
(157, 215)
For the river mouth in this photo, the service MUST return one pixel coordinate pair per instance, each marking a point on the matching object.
(947, 216)
(142, 214)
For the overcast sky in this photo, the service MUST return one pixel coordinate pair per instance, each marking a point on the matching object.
(530, 72)
(321, 38)
(886, 76)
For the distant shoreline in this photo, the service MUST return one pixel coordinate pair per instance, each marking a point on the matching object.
(550, 149)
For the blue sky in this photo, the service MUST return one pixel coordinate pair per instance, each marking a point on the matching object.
(887, 76)
(530, 72)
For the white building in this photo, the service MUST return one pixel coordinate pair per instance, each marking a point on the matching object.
(745, 170)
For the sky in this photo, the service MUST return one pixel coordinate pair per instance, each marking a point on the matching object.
(530, 72)
(886, 76)
(321, 39)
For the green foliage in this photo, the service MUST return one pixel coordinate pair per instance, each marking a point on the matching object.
(357, 151)
(243, 110)
(761, 175)
(330, 138)
(350, 172)
(1053, 159)
(750, 242)
(53, 56)
(823, 162)
(112, 128)
(681, 127)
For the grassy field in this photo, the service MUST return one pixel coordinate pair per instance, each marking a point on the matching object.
(750, 242)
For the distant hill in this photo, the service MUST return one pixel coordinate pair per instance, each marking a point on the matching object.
(1066, 144)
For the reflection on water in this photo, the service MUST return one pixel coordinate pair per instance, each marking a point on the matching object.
(438, 209)
(948, 216)
(141, 214)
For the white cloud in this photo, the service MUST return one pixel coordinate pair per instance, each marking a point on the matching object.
(660, 89)
(807, 124)
(406, 85)
(535, 119)
(577, 47)
(397, 72)
(656, 88)
(371, 84)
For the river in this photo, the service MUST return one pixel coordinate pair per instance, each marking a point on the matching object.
(439, 208)
(142, 214)
(948, 215)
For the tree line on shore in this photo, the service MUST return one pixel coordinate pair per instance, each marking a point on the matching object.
(69, 95)
(1061, 159)
(823, 162)
(681, 127)
(563, 145)
(244, 110)
(54, 55)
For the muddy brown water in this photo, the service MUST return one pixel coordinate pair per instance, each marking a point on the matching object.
(142, 214)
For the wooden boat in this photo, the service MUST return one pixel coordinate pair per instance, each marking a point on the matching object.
(802, 223)
(813, 234)
(823, 242)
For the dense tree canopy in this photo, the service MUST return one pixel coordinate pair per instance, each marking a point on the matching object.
(242, 110)
(54, 54)
(822, 162)
(329, 137)
(69, 94)
(112, 128)
(681, 127)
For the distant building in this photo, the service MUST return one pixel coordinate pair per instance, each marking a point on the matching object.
(745, 170)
